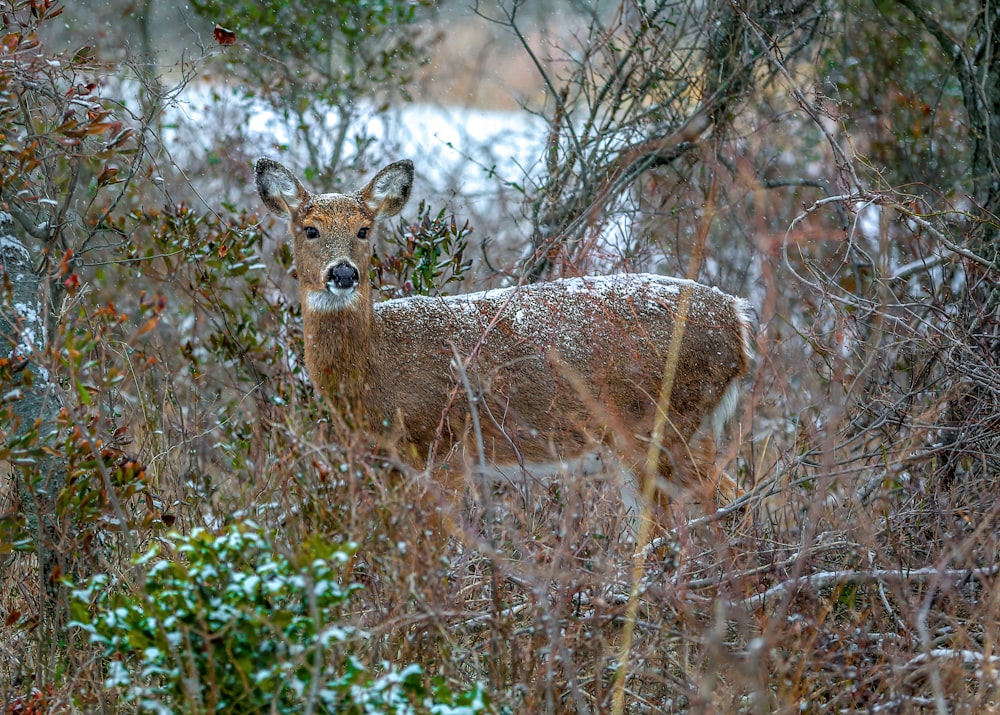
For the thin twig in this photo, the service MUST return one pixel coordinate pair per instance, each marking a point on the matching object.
(488, 512)
(654, 454)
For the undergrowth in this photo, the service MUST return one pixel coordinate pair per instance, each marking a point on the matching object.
(185, 528)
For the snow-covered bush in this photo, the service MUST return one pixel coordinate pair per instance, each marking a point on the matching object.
(231, 622)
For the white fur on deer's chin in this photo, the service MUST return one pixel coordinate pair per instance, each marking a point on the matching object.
(330, 300)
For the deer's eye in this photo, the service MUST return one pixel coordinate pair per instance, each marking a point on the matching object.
(363, 233)
(311, 232)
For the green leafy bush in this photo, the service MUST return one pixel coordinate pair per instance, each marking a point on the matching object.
(423, 256)
(226, 622)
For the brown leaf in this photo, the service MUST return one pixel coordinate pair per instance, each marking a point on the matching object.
(147, 326)
(108, 175)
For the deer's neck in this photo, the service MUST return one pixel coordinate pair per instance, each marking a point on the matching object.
(340, 358)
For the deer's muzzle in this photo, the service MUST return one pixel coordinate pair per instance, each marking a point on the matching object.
(342, 276)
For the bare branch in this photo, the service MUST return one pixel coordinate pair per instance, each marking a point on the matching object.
(825, 579)
(31, 227)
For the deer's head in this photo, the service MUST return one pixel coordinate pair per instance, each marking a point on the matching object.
(332, 233)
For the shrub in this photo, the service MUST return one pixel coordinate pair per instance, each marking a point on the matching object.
(227, 622)
(424, 256)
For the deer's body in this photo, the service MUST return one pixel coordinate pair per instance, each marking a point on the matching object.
(558, 368)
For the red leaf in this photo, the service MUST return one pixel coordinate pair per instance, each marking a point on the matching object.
(224, 36)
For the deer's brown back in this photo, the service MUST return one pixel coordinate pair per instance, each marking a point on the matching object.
(559, 360)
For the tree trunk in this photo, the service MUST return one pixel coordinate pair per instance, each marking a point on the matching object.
(982, 101)
(976, 61)
(29, 411)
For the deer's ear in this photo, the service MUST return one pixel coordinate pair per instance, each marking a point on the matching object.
(388, 192)
(280, 191)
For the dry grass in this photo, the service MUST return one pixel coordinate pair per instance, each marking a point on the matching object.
(806, 598)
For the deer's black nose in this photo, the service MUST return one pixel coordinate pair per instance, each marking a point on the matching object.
(342, 275)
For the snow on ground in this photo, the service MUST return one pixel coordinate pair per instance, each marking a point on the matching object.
(478, 163)
(454, 148)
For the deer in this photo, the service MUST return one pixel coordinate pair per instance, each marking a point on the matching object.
(562, 376)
